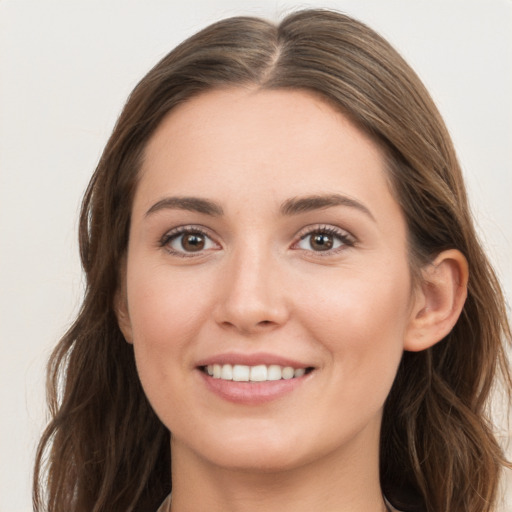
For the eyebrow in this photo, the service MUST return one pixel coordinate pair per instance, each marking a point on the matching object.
(297, 205)
(193, 204)
(292, 206)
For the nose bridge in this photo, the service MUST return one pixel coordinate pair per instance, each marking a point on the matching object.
(252, 295)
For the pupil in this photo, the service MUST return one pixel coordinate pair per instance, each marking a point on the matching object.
(322, 242)
(193, 242)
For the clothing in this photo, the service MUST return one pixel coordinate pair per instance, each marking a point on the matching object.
(390, 507)
(166, 506)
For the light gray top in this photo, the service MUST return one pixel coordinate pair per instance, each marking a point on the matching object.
(166, 506)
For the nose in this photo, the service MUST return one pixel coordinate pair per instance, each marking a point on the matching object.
(252, 293)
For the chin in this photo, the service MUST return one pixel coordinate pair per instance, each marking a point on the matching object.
(255, 452)
(258, 460)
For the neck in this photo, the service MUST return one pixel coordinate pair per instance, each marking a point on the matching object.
(341, 481)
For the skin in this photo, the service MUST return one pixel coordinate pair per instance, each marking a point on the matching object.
(260, 285)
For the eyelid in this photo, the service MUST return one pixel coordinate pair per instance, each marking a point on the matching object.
(183, 230)
(348, 240)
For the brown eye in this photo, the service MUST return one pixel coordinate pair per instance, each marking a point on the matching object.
(188, 241)
(327, 240)
(193, 242)
(321, 242)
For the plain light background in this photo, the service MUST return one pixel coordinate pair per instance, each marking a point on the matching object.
(66, 69)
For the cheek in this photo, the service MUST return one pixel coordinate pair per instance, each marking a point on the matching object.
(164, 310)
(166, 316)
(361, 321)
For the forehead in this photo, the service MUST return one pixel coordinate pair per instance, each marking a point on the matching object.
(264, 145)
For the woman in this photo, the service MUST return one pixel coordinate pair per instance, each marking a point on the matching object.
(284, 286)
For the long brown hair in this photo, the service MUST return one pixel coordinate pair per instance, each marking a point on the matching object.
(105, 449)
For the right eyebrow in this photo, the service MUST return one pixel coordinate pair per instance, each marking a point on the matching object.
(193, 204)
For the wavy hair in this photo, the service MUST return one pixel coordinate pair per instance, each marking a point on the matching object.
(105, 449)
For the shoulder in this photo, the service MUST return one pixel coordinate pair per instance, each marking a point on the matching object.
(166, 505)
(390, 507)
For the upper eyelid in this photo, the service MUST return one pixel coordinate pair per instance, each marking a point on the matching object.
(187, 228)
(348, 240)
(182, 230)
(302, 233)
(316, 228)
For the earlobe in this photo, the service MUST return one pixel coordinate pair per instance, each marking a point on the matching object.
(123, 317)
(439, 300)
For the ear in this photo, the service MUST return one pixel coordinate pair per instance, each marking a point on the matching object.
(121, 307)
(439, 300)
(123, 317)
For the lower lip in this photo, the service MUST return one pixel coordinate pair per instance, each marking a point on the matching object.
(252, 393)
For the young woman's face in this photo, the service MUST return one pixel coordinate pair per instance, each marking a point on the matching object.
(265, 244)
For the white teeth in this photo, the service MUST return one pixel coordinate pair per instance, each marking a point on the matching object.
(288, 372)
(259, 373)
(274, 372)
(299, 372)
(226, 372)
(241, 373)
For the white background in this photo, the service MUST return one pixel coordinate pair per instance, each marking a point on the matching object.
(65, 71)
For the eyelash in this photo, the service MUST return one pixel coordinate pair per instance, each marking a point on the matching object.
(175, 233)
(345, 238)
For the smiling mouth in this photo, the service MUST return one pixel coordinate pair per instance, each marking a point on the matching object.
(258, 373)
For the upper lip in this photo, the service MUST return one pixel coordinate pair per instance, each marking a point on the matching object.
(252, 360)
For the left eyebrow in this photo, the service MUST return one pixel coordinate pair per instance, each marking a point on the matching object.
(297, 205)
